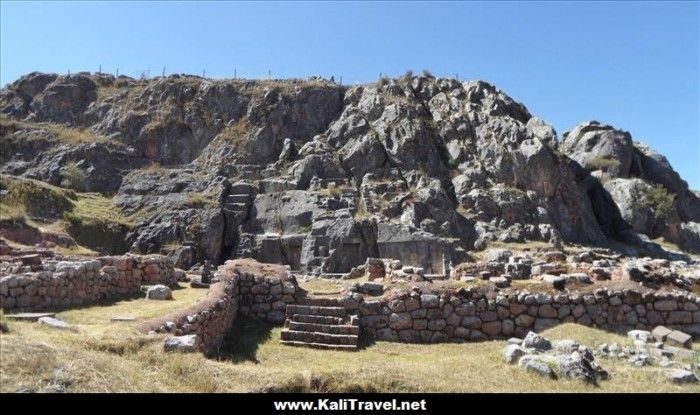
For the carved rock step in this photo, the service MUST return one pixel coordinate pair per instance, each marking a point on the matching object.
(303, 318)
(321, 302)
(315, 310)
(241, 198)
(346, 347)
(324, 328)
(317, 337)
(237, 207)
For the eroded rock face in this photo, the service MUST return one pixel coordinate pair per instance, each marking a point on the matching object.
(651, 197)
(600, 147)
(320, 176)
(628, 194)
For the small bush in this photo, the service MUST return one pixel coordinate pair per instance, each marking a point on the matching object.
(428, 74)
(73, 176)
(660, 200)
(407, 76)
(602, 163)
(73, 218)
(383, 81)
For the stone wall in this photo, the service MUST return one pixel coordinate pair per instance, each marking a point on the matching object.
(245, 287)
(210, 319)
(51, 284)
(266, 296)
(470, 315)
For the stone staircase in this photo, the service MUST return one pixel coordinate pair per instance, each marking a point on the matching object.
(321, 323)
(238, 206)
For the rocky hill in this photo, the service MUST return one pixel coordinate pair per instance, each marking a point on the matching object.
(321, 176)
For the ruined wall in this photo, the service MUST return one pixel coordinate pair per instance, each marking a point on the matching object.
(470, 315)
(246, 288)
(53, 284)
(266, 297)
(210, 319)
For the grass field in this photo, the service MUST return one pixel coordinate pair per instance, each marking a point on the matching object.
(97, 355)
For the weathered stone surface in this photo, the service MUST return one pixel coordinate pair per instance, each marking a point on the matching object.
(159, 292)
(565, 346)
(536, 341)
(429, 300)
(512, 353)
(555, 281)
(53, 322)
(643, 335)
(537, 364)
(399, 321)
(681, 376)
(187, 343)
(680, 339)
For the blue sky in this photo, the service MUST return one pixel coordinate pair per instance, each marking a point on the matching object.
(634, 65)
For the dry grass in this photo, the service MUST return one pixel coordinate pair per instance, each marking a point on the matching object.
(322, 285)
(98, 356)
(60, 131)
(75, 135)
(55, 212)
(199, 199)
(99, 208)
(235, 132)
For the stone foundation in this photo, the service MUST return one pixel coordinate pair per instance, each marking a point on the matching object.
(470, 315)
(247, 288)
(51, 284)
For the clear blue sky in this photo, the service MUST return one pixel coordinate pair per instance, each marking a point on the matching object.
(633, 65)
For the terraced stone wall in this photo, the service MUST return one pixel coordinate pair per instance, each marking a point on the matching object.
(56, 284)
(468, 315)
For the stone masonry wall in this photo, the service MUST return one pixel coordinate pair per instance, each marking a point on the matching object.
(247, 287)
(470, 315)
(53, 284)
(266, 297)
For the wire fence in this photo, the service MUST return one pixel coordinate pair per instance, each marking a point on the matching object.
(235, 73)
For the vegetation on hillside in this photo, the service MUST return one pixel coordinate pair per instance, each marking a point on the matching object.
(90, 219)
(660, 200)
(602, 163)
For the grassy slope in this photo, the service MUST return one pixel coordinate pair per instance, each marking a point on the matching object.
(63, 212)
(97, 355)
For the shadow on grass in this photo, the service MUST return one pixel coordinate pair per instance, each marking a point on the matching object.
(242, 341)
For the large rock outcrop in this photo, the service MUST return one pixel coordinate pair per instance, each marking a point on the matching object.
(651, 196)
(320, 176)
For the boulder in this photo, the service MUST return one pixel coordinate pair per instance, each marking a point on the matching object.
(512, 353)
(188, 343)
(598, 146)
(159, 292)
(536, 341)
(53, 322)
(642, 335)
(679, 338)
(538, 364)
(681, 376)
(556, 281)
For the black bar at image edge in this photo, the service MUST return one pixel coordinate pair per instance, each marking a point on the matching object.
(342, 403)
